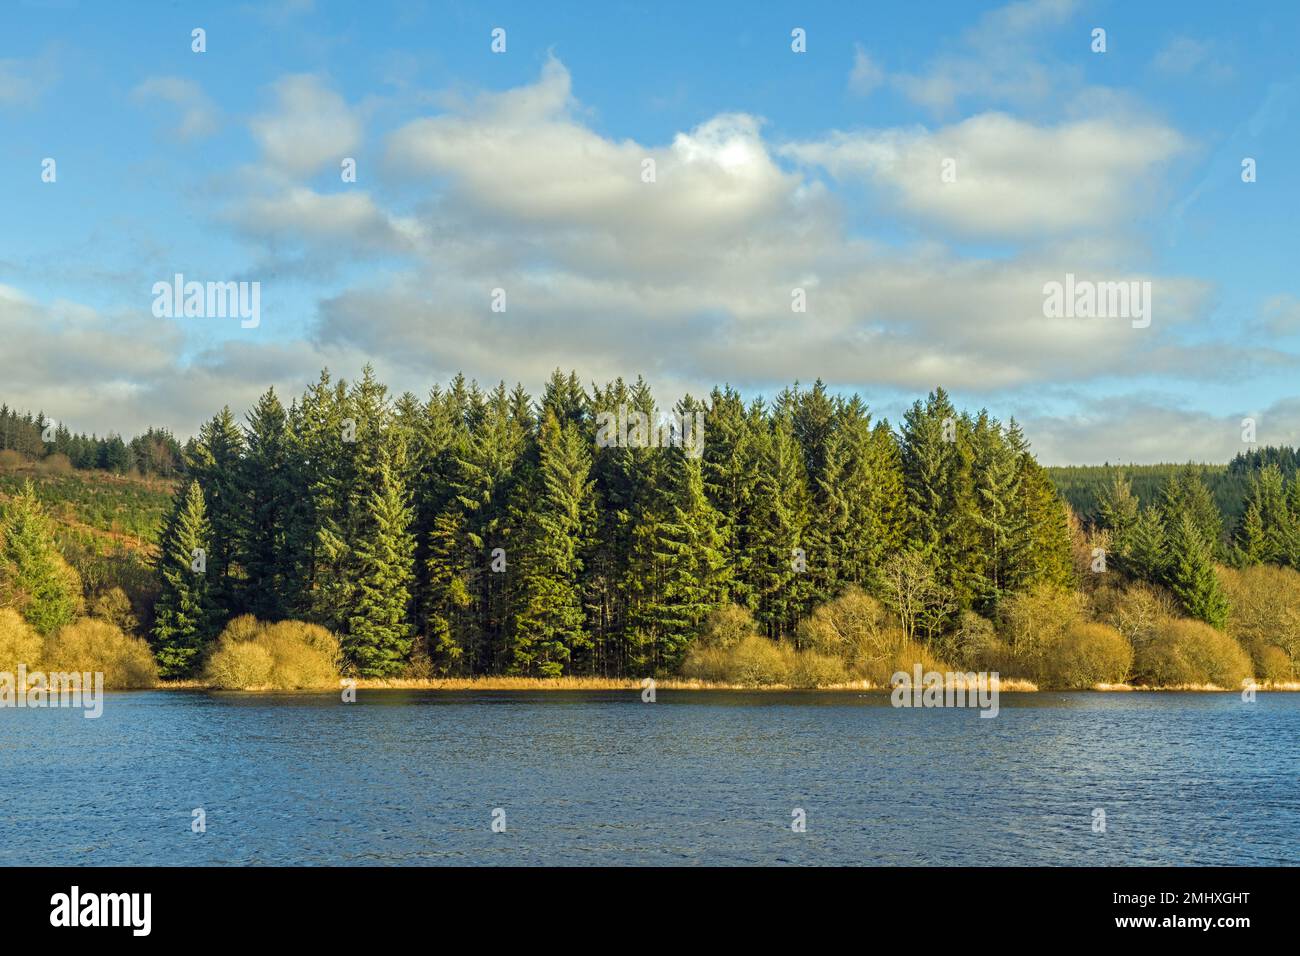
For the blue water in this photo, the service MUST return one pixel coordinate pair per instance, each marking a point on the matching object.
(695, 778)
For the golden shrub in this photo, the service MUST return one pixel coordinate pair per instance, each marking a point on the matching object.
(92, 645)
(1184, 651)
(19, 644)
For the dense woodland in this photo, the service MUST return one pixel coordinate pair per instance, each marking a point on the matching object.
(155, 452)
(488, 532)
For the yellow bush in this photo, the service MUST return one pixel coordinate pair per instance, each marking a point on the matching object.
(239, 665)
(812, 669)
(289, 655)
(1033, 623)
(726, 627)
(854, 628)
(754, 661)
(1184, 651)
(1089, 654)
(19, 644)
(758, 661)
(1265, 610)
(99, 646)
(1274, 664)
(1137, 611)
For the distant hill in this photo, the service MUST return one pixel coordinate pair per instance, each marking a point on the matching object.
(1083, 485)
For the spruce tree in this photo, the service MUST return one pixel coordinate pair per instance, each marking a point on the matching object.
(1146, 552)
(378, 637)
(1191, 574)
(548, 627)
(215, 463)
(184, 619)
(37, 579)
(267, 551)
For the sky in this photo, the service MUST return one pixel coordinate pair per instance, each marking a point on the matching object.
(919, 172)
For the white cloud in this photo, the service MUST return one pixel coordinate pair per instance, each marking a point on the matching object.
(1141, 429)
(995, 60)
(866, 75)
(199, 117)
(311, 127)
(1012, 178)
(350, 222)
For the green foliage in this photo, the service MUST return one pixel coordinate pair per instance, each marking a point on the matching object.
(34, 577)
(378, 638)
(184, 616)
(1191, 575)
(549, 620)
(480, 532)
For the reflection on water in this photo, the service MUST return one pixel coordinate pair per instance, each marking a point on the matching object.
(697, 777)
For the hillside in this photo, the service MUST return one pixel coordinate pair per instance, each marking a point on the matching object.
(1083, 485)
(106, 525)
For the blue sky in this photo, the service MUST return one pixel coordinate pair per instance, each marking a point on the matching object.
(776, 170)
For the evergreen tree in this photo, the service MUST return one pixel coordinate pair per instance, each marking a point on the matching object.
(378, 637)
(215, 463)
(267, 550)
(549, 620)
(1146, 553)
(183, 615)
(1191, 574)
(33, 575)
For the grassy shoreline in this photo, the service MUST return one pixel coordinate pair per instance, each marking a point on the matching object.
(1008, 685)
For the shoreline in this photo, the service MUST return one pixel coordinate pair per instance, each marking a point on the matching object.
(517, 684)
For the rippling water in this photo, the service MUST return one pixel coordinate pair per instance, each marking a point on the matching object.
(698, 777)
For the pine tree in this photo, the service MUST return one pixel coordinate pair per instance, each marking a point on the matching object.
(378, 637)
(215, 463)
(549, 621)
(996, 476)
(777, 547)
(184, 619)
(681, 550)
(32, 572)
(1268, 524)
(1185, 493)
(267, 551)
(1119, 513)
(1191, 574)
(1146, 553)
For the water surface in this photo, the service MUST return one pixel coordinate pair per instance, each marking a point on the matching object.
(412, 777)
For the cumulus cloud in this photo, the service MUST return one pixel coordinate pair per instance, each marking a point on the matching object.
(1007, 177)
(1141, 429)
(310, 127)
(686, 275)
(350, 222)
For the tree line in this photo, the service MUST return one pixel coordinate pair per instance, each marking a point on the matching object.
(155, 453)
(480, 532)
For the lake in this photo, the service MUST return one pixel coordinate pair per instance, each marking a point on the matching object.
(414, 777)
